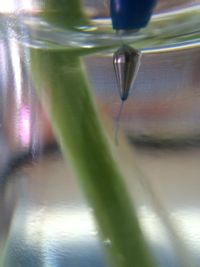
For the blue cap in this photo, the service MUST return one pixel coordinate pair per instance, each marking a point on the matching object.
(131, 14)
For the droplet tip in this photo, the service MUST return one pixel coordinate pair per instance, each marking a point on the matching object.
(124, 98)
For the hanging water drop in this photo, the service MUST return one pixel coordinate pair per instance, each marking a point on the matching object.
(126, 61)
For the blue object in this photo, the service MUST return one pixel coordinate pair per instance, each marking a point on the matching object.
(131, 14)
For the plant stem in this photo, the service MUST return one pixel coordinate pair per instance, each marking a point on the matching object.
(63, 13)
(61, 82)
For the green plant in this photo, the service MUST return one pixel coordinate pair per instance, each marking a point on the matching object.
(61, 82)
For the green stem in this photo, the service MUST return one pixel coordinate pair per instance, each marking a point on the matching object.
(63, 13)
(61, 81)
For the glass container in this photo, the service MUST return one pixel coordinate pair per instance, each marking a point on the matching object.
(45, 219)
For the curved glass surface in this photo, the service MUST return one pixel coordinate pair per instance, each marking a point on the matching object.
(45, 219)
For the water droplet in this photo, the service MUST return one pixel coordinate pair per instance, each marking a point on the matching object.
(107, 242)
(126, 61)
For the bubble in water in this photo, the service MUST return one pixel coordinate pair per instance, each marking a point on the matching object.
(107, 242)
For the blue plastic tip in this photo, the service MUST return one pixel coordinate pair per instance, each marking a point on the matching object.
(131, 14)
